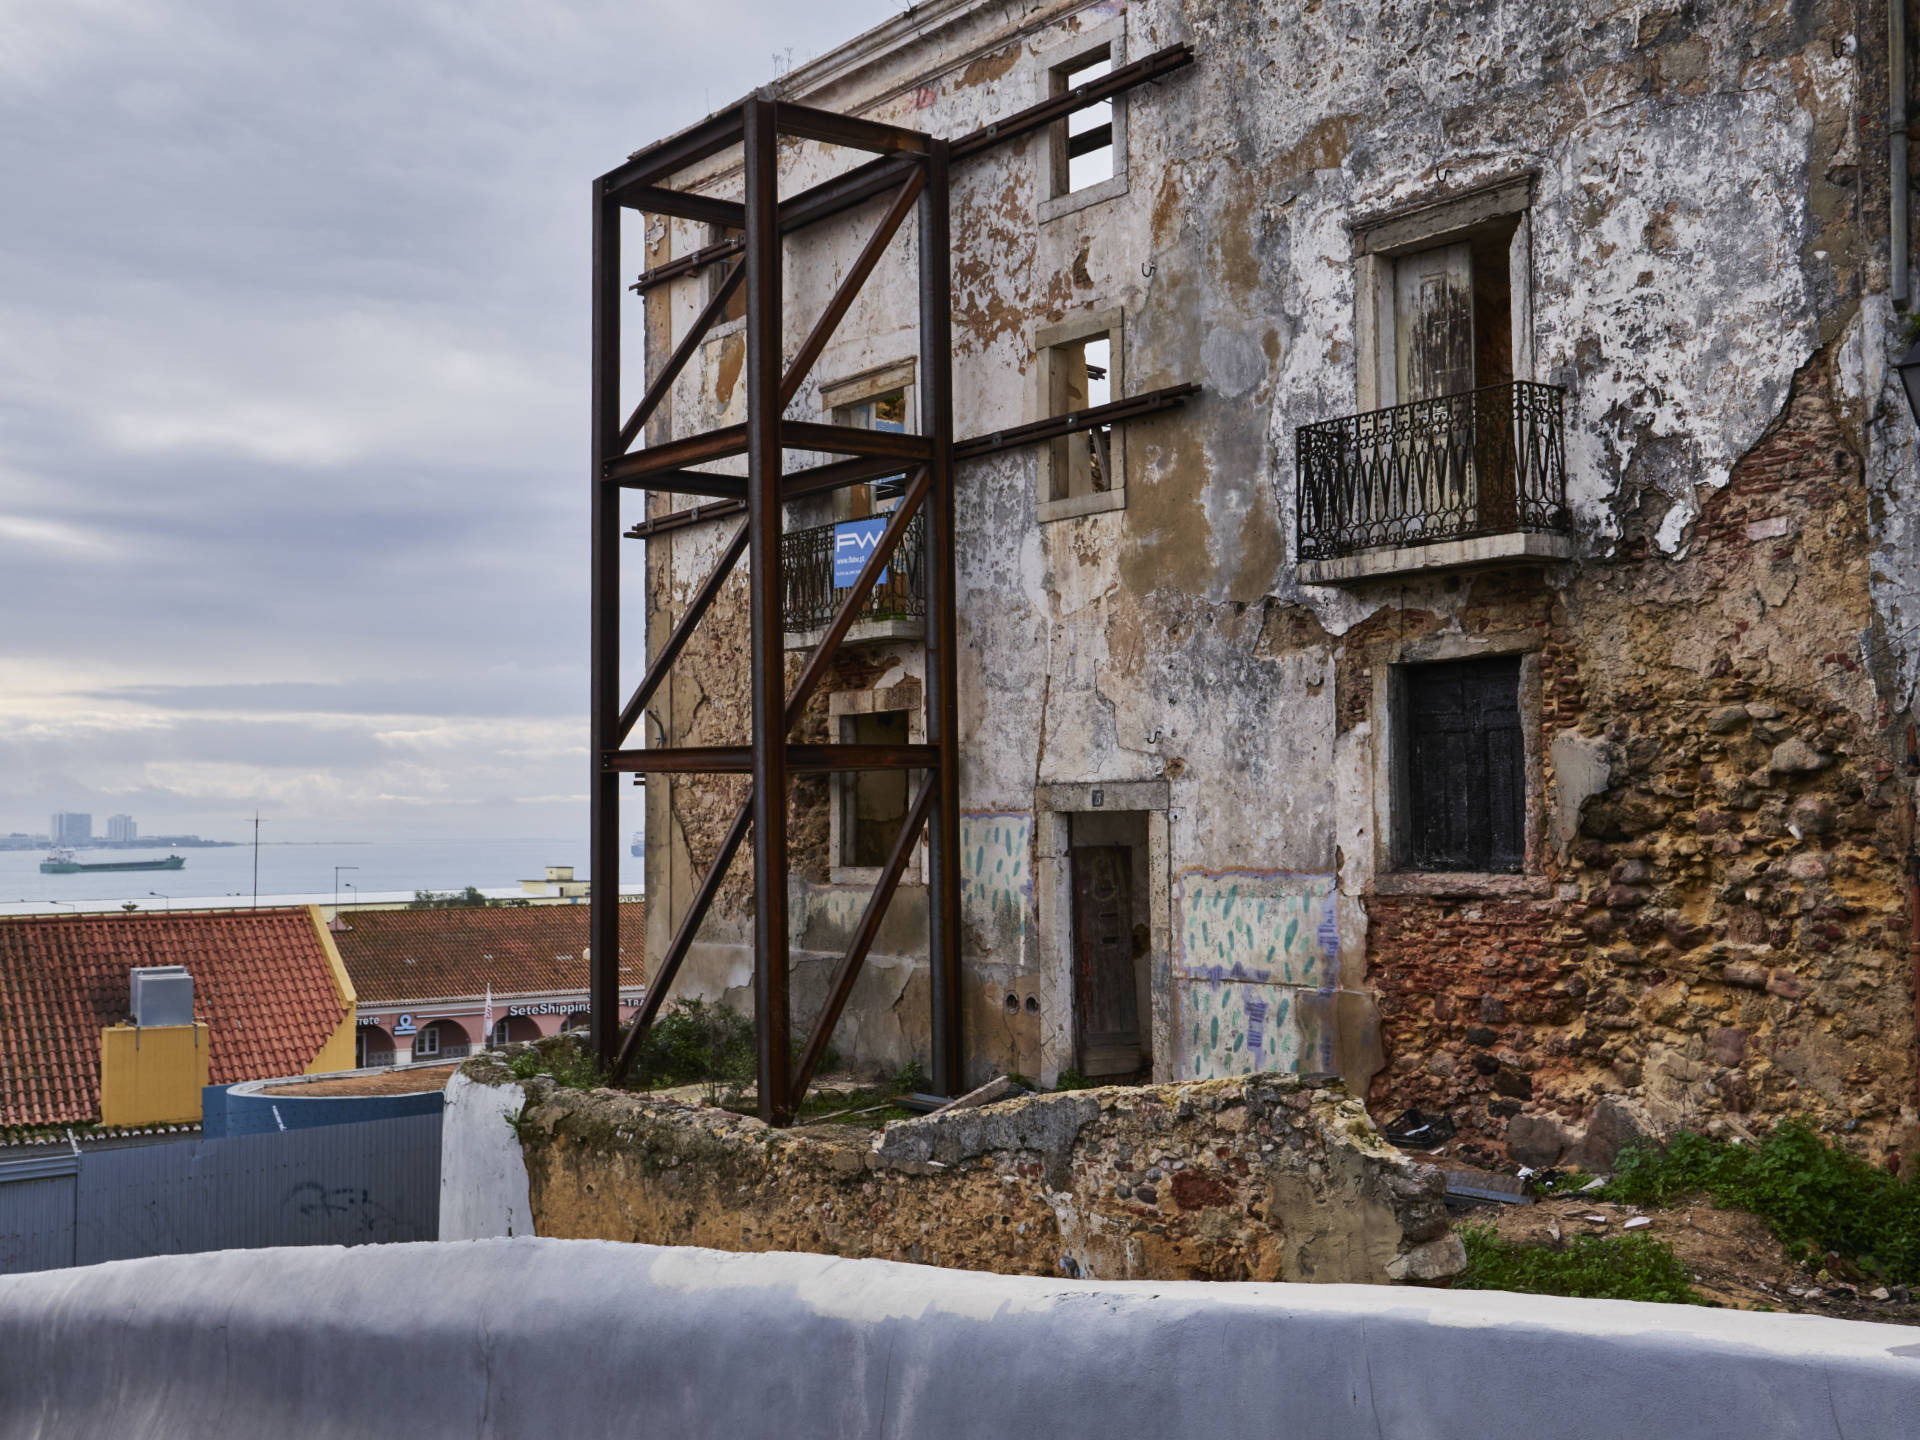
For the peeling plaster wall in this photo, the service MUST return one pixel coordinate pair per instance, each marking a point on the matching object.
(1707, 224)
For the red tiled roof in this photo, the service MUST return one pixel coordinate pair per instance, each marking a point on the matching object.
(399, 956)
(261, 982)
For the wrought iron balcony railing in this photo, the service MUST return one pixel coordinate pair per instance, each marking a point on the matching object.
(812, 597)
(1485, 462)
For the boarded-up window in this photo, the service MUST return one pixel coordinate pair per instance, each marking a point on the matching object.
(1465, 772)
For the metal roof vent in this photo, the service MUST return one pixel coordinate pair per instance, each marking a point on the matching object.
(162, 995)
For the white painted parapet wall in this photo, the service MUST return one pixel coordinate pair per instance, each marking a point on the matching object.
(586, 1338)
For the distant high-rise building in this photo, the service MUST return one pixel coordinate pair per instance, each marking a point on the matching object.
(121, 828)
(71, 827)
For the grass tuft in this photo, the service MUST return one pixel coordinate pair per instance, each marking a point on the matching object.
(1587, 1267)
(1818, 1199)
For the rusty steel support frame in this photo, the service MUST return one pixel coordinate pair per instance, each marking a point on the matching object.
(914, 170)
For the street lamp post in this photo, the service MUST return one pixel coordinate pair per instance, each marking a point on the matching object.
(336, 889)
(168, 898)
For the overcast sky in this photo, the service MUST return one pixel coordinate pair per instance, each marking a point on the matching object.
(293, 341)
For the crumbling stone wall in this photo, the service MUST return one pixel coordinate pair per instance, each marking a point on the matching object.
(1726, 936)
(1268, 1178)
(1706, 279)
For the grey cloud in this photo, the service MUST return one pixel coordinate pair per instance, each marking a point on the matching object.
(292, 404)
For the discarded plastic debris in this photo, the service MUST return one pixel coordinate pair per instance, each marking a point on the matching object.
(1595, 1183)
(1416, 1130)
(1636, 1223)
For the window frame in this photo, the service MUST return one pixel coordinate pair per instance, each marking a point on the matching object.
(1380, 240)
(431, 1028)
(846, 704)
(1051, 67)
(861, 389)
(1081, 325)
(1391, 800)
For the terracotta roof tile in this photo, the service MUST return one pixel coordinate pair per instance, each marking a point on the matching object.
(261, 982)
(398, 956)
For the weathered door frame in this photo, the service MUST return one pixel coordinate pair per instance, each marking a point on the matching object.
(1053, 809)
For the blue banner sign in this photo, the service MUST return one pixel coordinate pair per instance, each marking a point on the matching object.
(853, 541)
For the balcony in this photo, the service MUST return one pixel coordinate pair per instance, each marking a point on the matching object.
(896, 610)
(1460, 481)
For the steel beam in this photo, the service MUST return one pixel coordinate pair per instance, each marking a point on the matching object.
(838, 474)
(681, 519)
(846, 440)
(739, 759)
(675, 153)
(660, 983)
(685, 265)
(1023, 122)
(844, 191)
(685, 205)
(721, 444)
(848, 969)
(676, 642)
(603, 820)
(767, 657)
(1118, 412)
(852, 131)
(690, 482)
(682, 353)
(849, 290)
(943, 717)
(855, 599)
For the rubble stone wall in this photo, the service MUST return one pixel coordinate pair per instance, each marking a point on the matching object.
(1271, 1178)
(1724, 936)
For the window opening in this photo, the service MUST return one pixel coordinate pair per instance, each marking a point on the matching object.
(500, 1029)
(874, 802)
(427, 1042)
(717, 271)
(1465, 766)
(886, 411)
(1083, 141)
(1082, 463)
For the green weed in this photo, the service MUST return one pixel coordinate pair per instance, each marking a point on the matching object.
(1587, 1267)
(1817, 1198)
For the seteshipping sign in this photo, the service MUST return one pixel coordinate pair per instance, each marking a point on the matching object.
(853, 541)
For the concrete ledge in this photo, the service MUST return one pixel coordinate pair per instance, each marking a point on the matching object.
(539, 1338)
(862, 632)
(1510, 549)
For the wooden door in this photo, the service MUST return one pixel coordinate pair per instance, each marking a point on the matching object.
(1433, 323)
(1106, 1003)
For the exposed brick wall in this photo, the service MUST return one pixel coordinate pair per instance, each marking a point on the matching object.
(1727, 939)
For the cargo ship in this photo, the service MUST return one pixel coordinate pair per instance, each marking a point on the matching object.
(65, 862)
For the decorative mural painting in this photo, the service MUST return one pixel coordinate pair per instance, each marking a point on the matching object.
(1254, 949)
(996, 871)
(1270, 925)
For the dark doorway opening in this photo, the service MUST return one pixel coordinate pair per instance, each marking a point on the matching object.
(1110, 942)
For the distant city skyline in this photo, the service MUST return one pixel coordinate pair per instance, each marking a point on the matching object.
(292, 414)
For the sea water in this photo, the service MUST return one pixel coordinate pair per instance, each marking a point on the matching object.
(306, 870)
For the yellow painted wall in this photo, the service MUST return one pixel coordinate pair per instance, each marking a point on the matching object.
(152, 1076)
(337, 1053)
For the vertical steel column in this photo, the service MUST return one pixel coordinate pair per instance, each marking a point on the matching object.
(768, 644)
(943, 826)
(603, 823)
